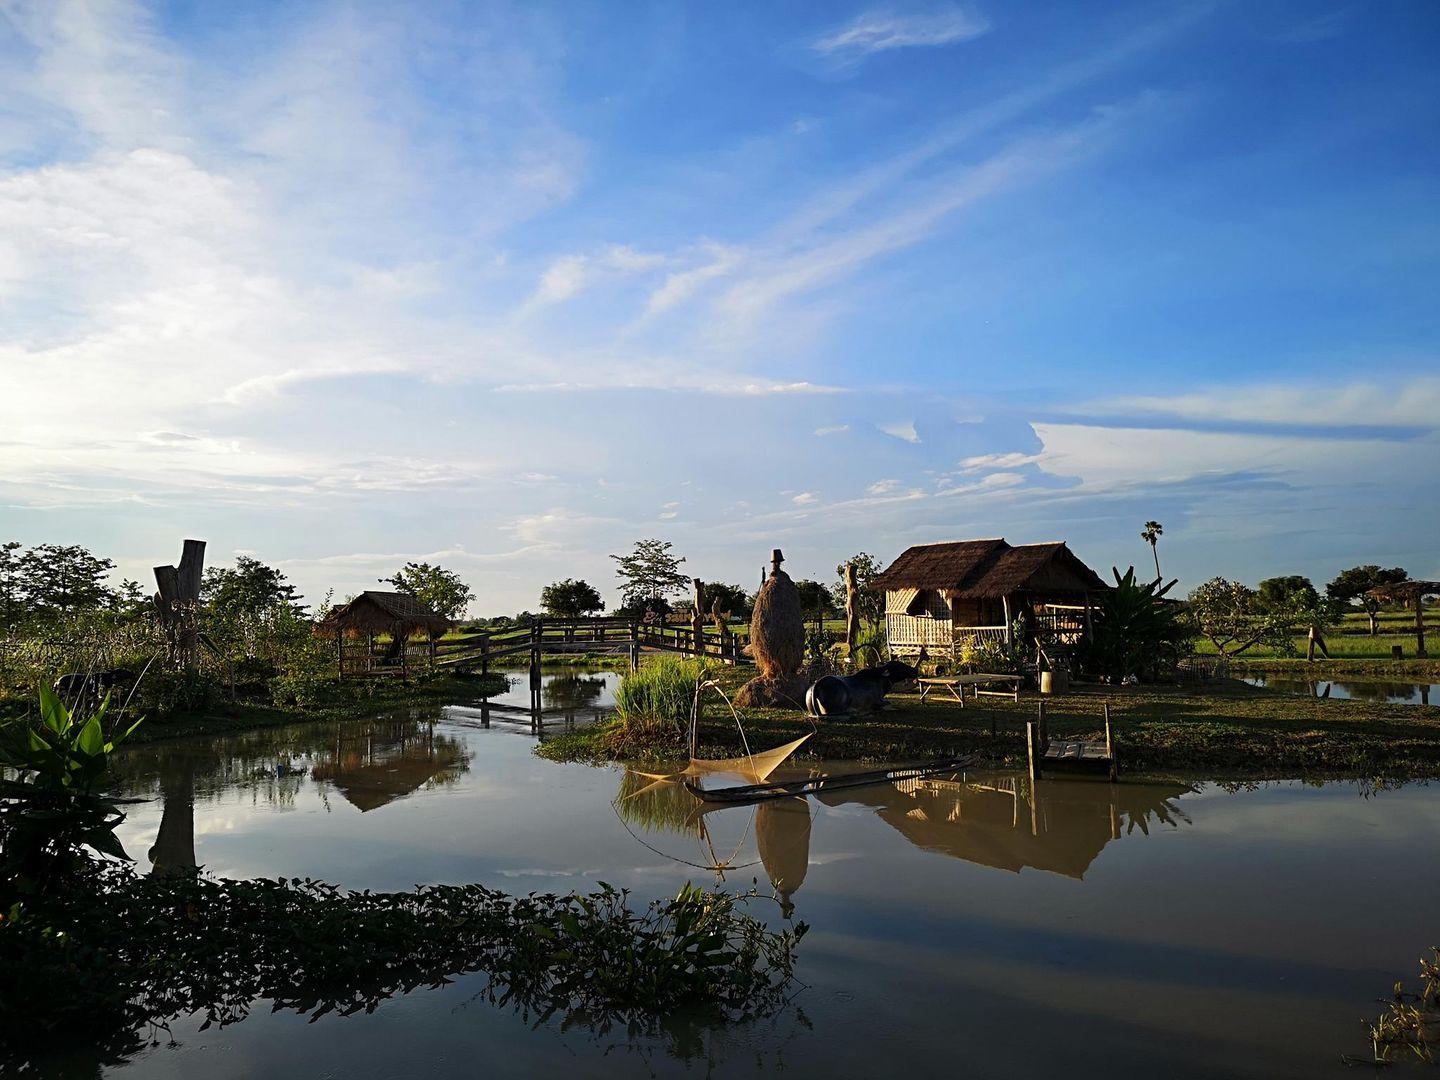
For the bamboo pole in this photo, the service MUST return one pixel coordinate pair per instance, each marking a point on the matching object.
(1110, 744)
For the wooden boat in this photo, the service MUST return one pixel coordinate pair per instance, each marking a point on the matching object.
(784, 789)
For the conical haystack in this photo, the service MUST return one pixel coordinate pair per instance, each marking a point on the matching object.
(777, 641)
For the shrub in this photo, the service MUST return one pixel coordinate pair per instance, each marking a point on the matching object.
(1136, 632)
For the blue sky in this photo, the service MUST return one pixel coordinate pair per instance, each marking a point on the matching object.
(507, 287)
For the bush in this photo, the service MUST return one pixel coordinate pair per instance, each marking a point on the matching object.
(162, 692)
(1136, 632)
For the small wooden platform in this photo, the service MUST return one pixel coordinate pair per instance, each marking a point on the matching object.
(1070, 755)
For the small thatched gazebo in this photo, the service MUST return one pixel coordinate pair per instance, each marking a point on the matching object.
(1409, 592)
(372, 614)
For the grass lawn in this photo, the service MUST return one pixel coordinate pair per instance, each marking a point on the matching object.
(1229, 730)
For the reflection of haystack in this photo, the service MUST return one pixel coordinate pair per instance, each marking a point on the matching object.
(777, 641)
(782, 833)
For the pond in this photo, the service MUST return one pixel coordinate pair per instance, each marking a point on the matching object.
(1400, 693)
(1175, 928)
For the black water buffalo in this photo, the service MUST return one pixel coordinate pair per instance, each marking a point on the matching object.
(91, 686)
(836, 695)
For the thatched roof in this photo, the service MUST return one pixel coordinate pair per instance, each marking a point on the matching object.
(975, 569)
(1404, 591)
(385, 613)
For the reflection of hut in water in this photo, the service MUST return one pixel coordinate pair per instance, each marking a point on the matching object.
(387, 760)
(994, 821)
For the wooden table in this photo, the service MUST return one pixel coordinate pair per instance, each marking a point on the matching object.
(956, 684)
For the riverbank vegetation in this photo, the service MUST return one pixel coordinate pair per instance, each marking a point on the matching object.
(1227, 728)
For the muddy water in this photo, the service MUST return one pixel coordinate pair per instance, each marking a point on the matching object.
(966, 925)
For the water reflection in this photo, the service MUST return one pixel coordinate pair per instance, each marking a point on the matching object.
(1391, 693)
(388, 760)
(561, 701)
(993, 819)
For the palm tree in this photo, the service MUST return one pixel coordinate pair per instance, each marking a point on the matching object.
(1152, 532)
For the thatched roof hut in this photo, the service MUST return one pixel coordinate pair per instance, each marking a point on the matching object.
(398, 614)
(938, 596)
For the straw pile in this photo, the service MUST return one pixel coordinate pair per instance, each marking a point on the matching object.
(777, 642)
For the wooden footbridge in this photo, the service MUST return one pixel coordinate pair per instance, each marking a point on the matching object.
(529, 644)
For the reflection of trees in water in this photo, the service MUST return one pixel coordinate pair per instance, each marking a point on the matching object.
(578, 691)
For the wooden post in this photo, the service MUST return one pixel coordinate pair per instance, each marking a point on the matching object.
(1040, 726)
(1420, 626)
(339, 654)
(697, 617)
(1110, 743)
(852, 611)
(1030, 750)
(485, 655)
(634, 645)
(535, 632)
(1009, 625)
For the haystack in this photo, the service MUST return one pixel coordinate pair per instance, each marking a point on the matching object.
(777, 641)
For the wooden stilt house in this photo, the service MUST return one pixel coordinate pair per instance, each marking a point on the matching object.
(938, 597)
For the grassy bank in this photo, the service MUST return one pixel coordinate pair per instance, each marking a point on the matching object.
(1225, 730)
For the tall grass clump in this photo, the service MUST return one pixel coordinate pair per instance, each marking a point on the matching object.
(652, 710)
(660, 694)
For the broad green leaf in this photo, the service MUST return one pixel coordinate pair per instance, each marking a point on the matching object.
(92, 739)
(53, 711)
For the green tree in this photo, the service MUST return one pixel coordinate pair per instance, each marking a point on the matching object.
(571, 599)
(249, 590)
(1235, 617)
(1151, 535)
(12, 592)
(439, 589)
(1289, 591)
(867, 569)
(1352, 586)
(731, 598)
(815, 599)
(650, 571)
(61, 579)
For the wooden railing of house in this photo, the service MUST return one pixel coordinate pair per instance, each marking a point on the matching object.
(907, 632)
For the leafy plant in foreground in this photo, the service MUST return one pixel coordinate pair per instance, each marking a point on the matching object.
(51, 812)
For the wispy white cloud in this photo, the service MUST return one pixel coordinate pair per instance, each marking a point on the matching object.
(1416, 401)
(570, 275)
(832, 429)
(881, 29)
(904, 430)
(1011, 460)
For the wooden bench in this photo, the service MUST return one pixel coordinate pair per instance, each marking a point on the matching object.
(956, 684)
